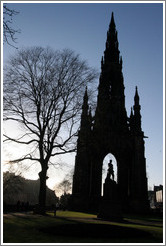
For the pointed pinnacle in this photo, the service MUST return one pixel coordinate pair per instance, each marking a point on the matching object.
(86, 93)
(112, 24)
(85, 105)
(136, 95)
(131, 114)
(112, 19)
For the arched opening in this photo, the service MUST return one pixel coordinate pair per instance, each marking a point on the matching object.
(106, 160)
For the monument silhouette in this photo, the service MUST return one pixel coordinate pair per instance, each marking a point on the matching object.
(110, 131)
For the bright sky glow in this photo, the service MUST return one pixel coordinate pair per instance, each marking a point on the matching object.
(82, 27)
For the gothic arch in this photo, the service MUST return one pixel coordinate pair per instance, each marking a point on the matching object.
(106, 160)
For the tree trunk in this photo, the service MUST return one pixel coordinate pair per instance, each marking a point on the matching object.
(42, 191)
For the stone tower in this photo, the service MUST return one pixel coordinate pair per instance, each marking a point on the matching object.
(81, 178)
(111, 131)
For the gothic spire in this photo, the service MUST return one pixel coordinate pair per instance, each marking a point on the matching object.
(137, 114)
(85, 125)
(112, 20)
(86, 113)
(112, 52)
(85, 103)
(136, 97)
(111, 96)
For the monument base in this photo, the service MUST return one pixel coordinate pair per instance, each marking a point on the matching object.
(110, 206)
(110, 210)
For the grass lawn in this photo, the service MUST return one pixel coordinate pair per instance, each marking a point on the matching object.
(74, 227)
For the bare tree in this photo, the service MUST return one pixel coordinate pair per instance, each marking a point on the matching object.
(8, 31)
(64, 186)
(43, 92)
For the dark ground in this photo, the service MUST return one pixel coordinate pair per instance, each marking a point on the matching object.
(74, 227)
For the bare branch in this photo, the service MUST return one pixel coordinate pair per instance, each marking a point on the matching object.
(18, 141)
(64, 152)
(27, 157)
(8, 31)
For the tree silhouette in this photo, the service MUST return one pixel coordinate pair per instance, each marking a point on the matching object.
(64, 186)
(43, 93)
(8, 31)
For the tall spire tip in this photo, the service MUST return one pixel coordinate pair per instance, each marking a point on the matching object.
(136, 90)
(112, 18)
